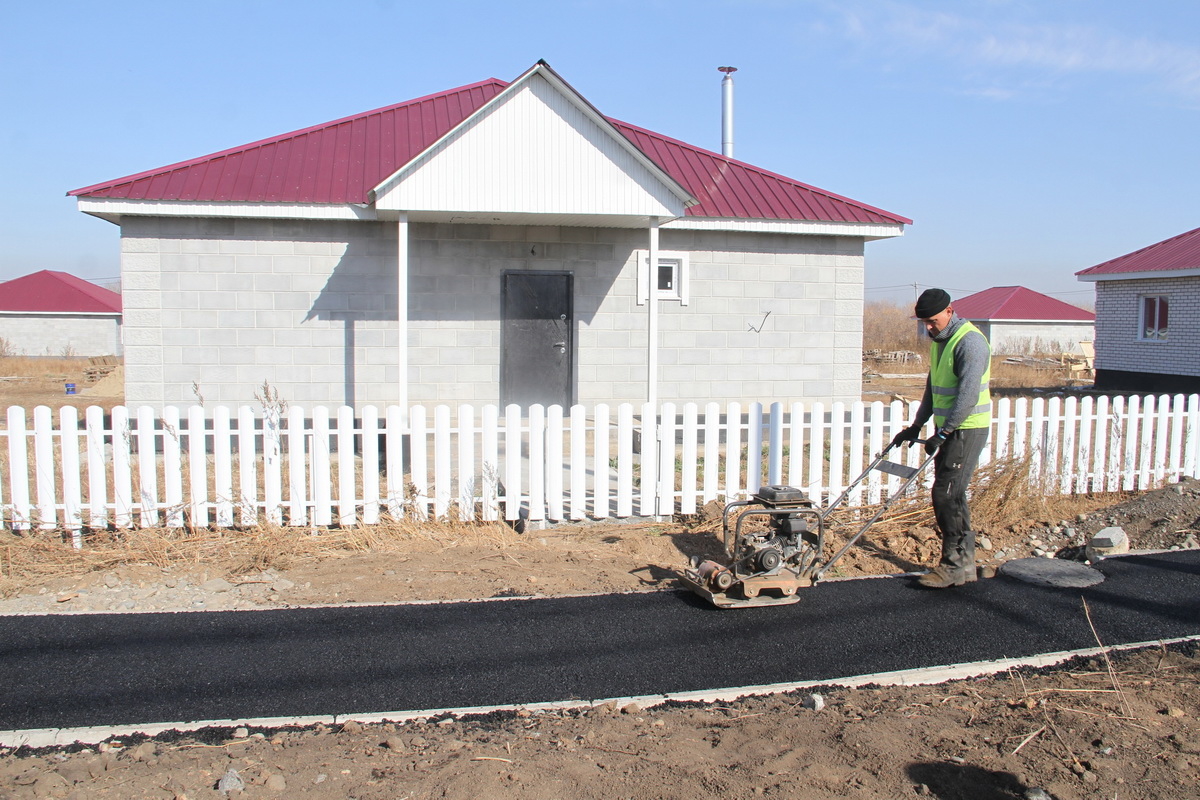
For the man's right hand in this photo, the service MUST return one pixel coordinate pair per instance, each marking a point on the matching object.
(909, 434)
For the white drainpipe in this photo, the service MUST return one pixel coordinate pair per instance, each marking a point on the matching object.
(652, 324)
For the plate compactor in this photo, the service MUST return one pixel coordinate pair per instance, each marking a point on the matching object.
(767, 567)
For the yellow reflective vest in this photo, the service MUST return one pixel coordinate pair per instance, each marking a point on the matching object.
(945, 383)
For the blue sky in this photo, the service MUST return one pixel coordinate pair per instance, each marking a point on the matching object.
(1026, 139)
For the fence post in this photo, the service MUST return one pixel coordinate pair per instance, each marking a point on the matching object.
(370, 465)
(466, 462)
(147, 467)
(43, 450)
(442, 468)
(601, 472)
(347, 494)
(625, 460)
(247, 500)
(122, 475)
(578, 470)
(554, 462)
(68, 426)
(665, 489)
(222, 467)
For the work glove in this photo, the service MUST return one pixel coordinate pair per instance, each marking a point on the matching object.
(910, 434)
(934, 442)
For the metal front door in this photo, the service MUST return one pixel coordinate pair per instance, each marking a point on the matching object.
(536, 349)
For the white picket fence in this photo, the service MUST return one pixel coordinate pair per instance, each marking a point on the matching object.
(239, 468)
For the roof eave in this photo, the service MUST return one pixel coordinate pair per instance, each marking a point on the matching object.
(1190, 272)
(867, 230)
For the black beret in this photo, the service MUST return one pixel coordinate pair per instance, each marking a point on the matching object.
(932, 302)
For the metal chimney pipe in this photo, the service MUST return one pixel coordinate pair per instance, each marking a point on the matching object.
(727, 111)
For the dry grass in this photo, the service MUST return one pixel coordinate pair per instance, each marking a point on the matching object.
(40, 556)
(29, 367)
(890, 326)
(1002, 497)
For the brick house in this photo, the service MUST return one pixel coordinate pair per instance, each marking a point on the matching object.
(50, 313)
(1017, 320)
(487, 244)
(1148, 317)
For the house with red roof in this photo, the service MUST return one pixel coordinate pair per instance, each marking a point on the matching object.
(1148, 317)
(50, 313)
(501, 242)
(1021, 321)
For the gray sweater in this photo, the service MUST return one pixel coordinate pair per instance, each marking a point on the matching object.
(971, 357)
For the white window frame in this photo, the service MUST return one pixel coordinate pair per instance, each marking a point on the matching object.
(1160, 334)
(674, 258)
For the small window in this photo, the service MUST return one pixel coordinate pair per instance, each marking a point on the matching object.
(1154, 318)
(671, 277)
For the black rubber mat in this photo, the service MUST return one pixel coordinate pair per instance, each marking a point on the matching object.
(115, 669)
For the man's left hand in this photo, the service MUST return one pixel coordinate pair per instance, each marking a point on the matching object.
(934, 442)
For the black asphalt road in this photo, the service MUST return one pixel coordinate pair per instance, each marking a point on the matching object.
(116, 669)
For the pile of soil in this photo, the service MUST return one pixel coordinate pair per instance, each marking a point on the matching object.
(1126, 727)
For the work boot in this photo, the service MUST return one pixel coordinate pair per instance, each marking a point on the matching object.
(943, 577)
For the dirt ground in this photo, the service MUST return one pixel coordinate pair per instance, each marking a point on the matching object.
(1125, 728)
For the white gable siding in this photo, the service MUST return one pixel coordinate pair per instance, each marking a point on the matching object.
(309, 307)
(536, 153)
(1118, 347)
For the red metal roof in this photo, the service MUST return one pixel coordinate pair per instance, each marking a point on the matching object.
(1017, 302)
(57, 293)
(342, 161)
(1178, 252)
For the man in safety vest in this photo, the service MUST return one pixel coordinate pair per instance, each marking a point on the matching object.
(957, 397)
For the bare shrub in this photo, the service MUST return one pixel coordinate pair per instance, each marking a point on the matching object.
(890, 326)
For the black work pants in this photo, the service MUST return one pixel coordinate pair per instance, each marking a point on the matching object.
(953, 467)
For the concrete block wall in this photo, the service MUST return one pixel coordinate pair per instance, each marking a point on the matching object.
(61, 334)
(310, 308)
(215, 308)
(1118, 315)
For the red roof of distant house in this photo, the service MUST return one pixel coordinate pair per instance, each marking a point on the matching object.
(1178, 252)
(342, 161)
(57, 293)
(1018, 303)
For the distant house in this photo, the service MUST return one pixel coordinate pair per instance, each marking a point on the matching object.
(1017, 320)
(494, 243)
(1148, 317)
(51, 313)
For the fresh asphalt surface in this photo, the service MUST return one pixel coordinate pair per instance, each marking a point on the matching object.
(114, 669)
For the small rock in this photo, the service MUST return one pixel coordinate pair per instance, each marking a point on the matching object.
(320, 778)
(631, 708)
(394, 743)
(282, 585)
(983, 542)
(814, 702)
(417, 741)
(112, 581)
(1174, 712)
(1109, 541)
(352, 726)
(231, 782)
(1037, 793)
(75, 771)
(143, 752)
(276, 783)
(241, 733)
